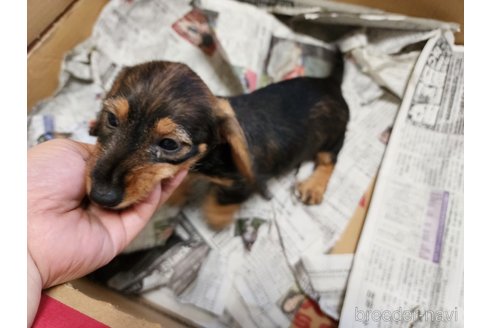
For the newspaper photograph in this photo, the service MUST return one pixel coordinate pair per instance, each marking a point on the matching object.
(259, 271)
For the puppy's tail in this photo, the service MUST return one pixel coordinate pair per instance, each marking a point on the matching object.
(338, 66)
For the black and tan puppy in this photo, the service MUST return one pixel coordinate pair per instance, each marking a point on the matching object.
(160, 117)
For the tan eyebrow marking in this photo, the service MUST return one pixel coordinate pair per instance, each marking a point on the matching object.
(119, 106)
(167, 126)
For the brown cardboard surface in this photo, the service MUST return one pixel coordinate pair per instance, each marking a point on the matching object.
(101, 311)
(350, 237)
(41, 14)
(445, 10)
(127, 304)
(44, 60)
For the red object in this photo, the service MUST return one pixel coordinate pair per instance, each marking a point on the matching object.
(311, 316)
(54, 314)
(362, 202)
(302, 320)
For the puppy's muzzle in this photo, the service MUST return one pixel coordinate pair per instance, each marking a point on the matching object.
(106, 196)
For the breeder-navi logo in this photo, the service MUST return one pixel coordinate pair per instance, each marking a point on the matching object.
(400, 315)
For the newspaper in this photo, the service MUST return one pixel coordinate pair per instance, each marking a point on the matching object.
(258, 271)
(408, 269)
(176, 267)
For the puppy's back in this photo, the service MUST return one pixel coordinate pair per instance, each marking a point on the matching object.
(287, 122)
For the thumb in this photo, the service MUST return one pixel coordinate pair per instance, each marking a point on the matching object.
(169, 185)
(135, 219)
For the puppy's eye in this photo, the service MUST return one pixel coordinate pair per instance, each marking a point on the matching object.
(169, 145)
(112, 120)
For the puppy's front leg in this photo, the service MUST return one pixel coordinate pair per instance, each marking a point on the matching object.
(222, 203)
(312, 189)
(218, 216)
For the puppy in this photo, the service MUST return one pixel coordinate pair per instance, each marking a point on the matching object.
(160, 117)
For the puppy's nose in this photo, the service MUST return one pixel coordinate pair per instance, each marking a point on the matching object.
(106, 196)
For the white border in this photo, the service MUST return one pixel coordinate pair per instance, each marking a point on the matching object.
(13, 192)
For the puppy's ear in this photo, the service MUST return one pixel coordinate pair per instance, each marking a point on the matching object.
(233, 134)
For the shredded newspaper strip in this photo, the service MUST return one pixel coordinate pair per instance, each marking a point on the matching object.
(408, 269)
(257, 272)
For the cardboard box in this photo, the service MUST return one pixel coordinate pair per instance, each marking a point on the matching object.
(64, 306)
(41, 17)
(55, 29)
(45, 55)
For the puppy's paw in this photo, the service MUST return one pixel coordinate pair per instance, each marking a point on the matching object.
(218, 216)
(310, 191)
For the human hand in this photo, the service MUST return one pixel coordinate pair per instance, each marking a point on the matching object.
(69, 237)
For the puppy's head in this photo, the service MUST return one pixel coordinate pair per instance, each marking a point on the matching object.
(157, 119)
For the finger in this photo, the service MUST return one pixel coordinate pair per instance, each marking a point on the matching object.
(168, 186)
(56, 146)
(84, 149)
(56, 175)
(135, 218)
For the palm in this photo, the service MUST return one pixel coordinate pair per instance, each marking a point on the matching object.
(66, 239)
